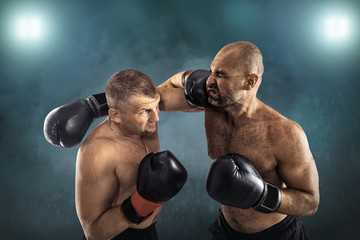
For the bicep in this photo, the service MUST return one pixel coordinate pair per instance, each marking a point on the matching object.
(96, 186)
(296, 165)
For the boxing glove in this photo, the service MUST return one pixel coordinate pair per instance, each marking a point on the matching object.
(160, 177)
(66, 125)
(194, 83)
(232, 180)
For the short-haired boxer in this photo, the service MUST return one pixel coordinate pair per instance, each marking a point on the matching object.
(122, 179)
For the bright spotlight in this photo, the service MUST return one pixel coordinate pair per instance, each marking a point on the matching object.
(337, 28)
(29, 28)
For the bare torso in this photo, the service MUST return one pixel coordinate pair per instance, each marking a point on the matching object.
(252, 138)
(125, 162)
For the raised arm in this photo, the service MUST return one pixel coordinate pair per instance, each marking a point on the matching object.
(175, 81)
(296, 167)
(172, 95)
(185, 91)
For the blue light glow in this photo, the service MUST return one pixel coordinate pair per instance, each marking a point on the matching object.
(29, 28)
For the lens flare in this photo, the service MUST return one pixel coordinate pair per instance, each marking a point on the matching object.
(337, 28)
(29, 28)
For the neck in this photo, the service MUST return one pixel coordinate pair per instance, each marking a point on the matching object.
(243, 110)
(120, 130)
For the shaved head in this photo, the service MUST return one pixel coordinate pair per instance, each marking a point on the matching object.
(250, 59)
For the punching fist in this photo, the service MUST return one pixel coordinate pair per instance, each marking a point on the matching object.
(66, 125)
(160, 177)
(195, 87)
(232, 180)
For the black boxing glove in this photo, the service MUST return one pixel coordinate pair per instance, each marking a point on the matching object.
(66, 125)
(160, 177)
(232, 180)
(194, 83)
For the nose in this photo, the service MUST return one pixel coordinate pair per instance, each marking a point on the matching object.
(155, 116)
(211, 81)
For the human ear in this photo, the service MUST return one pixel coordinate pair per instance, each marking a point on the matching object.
(252, 79)
(114, 115)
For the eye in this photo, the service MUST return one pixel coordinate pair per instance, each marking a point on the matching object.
(144, 111)
(220, 74)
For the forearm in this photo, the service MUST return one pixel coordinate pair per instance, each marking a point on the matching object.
(106, 226)
(174, 81)
(298, 203)
(173, 99)
(172, 95)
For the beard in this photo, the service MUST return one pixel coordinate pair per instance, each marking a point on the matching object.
(149, 132)
(223, 100)
(136, 129)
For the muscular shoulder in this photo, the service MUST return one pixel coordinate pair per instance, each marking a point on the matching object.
(97, 147)
(100, 145)
(100, 152)
(288, 139)
(96, 156)
(279, 125)
(285, 131)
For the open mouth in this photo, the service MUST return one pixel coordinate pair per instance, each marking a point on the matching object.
(214, 94)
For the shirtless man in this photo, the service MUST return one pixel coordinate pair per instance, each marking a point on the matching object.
(122, 179)
(263, 172)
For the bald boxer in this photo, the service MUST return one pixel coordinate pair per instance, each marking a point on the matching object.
(263, 172)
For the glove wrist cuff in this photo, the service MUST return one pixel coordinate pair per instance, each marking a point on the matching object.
(143, 206)
(98, 105)
(135, 208)
(270, 201)
(129, 212)
(183, 77)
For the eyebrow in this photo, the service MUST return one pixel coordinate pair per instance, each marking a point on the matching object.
(141, 108)
(221, 71)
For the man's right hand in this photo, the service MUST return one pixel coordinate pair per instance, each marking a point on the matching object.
(67, 125)
(160, 177)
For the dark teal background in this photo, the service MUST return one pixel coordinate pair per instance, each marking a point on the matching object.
(307, 78)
